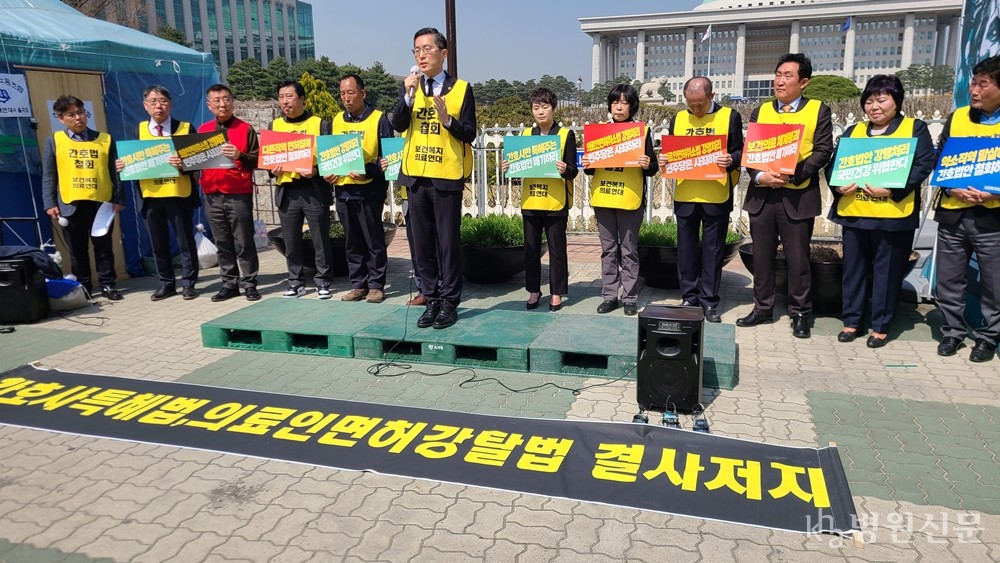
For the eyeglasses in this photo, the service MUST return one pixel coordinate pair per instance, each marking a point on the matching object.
(157, 101)
(426, 49)
(221, 101)
(72, 114)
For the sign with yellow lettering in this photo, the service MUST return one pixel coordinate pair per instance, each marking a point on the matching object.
(202, 151)
(293, 152)
(693, 158)
(146, 160)
(614, 145)
(392, 151)
(531, 156)
(624, 464)
(772, 146)
(969, 161)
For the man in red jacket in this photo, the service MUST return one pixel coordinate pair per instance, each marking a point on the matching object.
(229, 198)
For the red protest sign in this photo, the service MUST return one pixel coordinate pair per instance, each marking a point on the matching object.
(772, 146)
(614, 145)
(693, 158)
(294, 152)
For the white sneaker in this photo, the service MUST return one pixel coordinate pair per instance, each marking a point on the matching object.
(294, 291)
(324, 292)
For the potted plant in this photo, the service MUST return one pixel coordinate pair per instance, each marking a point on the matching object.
(338, 266)
(826, 265)
(658, 253)
(492, 248)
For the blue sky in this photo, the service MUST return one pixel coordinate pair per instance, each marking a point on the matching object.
(515, 40)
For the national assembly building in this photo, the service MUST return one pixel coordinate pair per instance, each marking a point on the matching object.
(737, 43)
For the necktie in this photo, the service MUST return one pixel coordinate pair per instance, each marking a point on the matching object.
(159, 130)
(786, 108)
(430, 87)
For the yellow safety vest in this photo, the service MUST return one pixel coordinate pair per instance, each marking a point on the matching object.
(618, 188)
(807, 116)
(860, 204)
(431, 151)
(704, 191)
(83, 168)
(310, 126)
(165, 187)
(368, 130)
(962, 126)
(547, 194)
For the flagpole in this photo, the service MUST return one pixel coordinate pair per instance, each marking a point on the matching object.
(708, 72)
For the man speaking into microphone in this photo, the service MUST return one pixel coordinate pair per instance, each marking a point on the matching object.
(438, 114)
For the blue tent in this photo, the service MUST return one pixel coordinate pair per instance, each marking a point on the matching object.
(48, 35)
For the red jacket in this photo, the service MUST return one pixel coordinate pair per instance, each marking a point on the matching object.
(237, 180)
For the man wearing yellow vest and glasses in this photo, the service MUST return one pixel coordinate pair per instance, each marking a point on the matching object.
(784, 207)
(360, 197)
(438, 113)
(704, 205)
(78, 176)
(969, 221)
(166, 202)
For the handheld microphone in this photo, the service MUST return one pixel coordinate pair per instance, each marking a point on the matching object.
(414, 70)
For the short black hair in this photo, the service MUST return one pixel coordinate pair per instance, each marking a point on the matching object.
(161, 90)
(65, 102)
(439, 39)
(805, 65)
(884, 84)
(543, 96)
(357, 79)
(299, 90)
(219, 88)
(630, 95)
(989, 67)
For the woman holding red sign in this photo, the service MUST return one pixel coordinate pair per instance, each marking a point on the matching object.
(878, 223)
(618, 196)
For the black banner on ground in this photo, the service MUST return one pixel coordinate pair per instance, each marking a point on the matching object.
(633, 465)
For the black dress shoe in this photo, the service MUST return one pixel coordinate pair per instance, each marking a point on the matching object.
(876, 342)
(983, 351)
(252, 294)
(529, 305)
(446, 317)
(949, 346)
(607, 307)
(189, 292)
(225, 293)
(849, 336)
(755, 318)
(630, 309)
(164, 292)
(712, 315)
(800, 326)
(111, 293)
(430, 313)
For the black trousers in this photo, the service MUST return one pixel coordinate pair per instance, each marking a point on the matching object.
(435, 217)
(78, 237)
(554, 227)
(365, 241)
(765, 228)
(231, 219)
(162, 214)
(699, 264)
(885, 254)
(298, 205)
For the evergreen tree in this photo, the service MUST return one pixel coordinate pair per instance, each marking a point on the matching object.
(383, 90)
(173, 34)
(831, 88)
(319, 101)
(250, 81)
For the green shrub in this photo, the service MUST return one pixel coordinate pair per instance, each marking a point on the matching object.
(665, 234)
(336, 231)
(492, 231)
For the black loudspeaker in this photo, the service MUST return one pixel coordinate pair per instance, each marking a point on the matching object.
(669, 368)
(23, 297)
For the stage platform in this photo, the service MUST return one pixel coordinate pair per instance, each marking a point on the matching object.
(523, 341)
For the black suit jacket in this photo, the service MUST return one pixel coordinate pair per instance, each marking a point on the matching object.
(463, 127)
(800, 204)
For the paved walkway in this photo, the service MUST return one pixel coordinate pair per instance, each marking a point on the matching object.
(919, 437)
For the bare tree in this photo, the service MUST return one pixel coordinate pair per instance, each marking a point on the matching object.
(130, 13)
